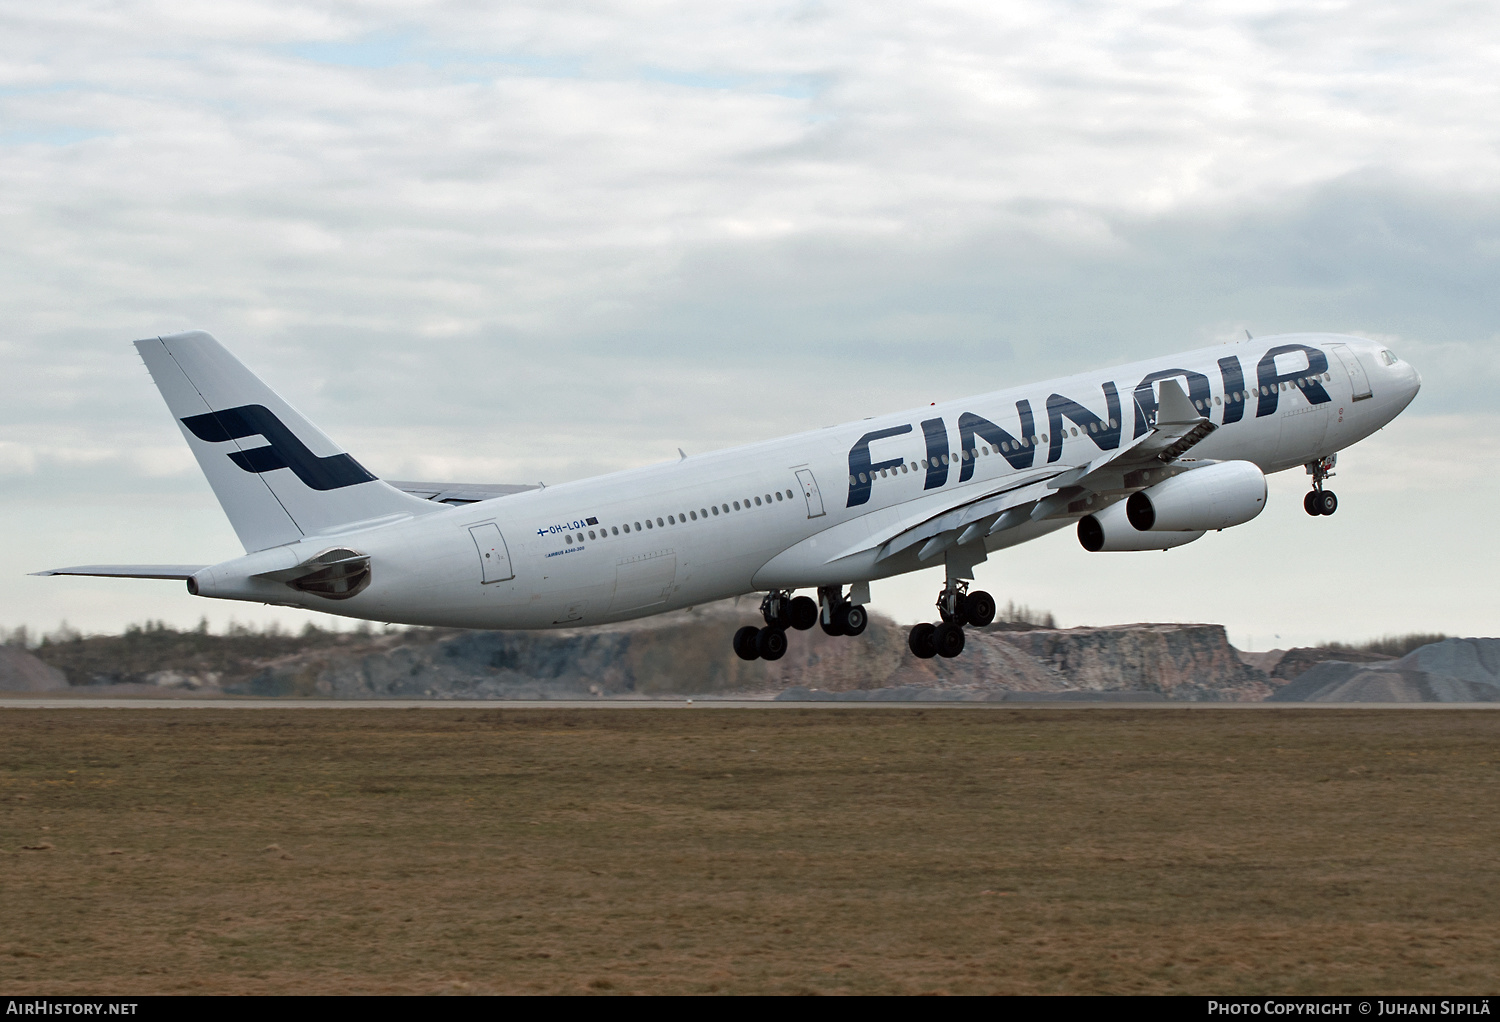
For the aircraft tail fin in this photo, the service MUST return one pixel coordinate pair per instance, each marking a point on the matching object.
(277, 476)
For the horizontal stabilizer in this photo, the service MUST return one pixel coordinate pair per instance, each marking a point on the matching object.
(456, 494)
(172, 571)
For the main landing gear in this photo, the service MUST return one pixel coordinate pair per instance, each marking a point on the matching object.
(780, 611)
(957, 607)
(1320, 501)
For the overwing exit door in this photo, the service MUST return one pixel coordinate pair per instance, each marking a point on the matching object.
(810, 491)
(494, 559)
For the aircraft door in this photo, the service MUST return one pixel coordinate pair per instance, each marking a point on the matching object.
(1357, 378)
(810, 491)
(494, 558)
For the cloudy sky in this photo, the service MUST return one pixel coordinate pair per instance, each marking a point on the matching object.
(511, 242)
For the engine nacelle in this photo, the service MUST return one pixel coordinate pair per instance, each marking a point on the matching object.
(1111, 530)
(1212, 497)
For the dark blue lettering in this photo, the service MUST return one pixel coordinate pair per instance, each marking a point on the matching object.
(1269, 380)
(1019, 457)
(860, 465)
(1234, 383)
(1104, 432)
(937, 452)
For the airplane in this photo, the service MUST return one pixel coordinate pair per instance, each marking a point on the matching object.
(1146, 456)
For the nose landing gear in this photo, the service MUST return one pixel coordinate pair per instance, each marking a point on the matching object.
(1320, 501)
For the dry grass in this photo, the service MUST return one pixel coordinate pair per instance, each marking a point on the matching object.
(778, 850)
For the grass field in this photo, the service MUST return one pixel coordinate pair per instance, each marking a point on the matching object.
(996, 850)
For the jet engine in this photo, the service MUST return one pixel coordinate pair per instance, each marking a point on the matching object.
(1111, 530)
(1212, 497)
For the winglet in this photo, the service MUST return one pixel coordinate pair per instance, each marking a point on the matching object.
(1173, 406)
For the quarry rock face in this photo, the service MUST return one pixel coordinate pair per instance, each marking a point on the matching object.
(1178, 661)
(687, 653)
(22, 672)
(1451, 671)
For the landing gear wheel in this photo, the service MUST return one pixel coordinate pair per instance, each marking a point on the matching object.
(948, 639)
(770, 643)
(850, 619)
(744, 643)
(803, 613)
(920, 641)
(831, 627)
(979, 608)
(1310, 503)
(1327, 502)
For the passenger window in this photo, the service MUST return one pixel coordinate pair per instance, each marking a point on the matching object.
(661, 523)
(637, 526)
(616, 529)
(736, 506)
(716, 509)
(757, 502)
(726, 508)
(695, 515)
(768, 499)
(648, 523)
(591, 534)
(627, 528)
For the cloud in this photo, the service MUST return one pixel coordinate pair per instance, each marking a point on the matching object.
(540, 241)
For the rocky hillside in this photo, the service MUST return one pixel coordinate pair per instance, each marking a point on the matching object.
(1451, 671)
(22, 672)
(687, 654)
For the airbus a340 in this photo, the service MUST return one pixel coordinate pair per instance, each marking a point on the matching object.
(1146, 456)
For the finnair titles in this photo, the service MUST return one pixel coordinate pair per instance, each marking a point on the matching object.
(1146, 456)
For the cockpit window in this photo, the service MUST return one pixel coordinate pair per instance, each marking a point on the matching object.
(1388, 357)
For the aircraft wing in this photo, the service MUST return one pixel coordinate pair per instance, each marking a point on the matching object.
(457, 494)
(1048, 493)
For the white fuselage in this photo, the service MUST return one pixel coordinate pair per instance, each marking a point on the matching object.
(779, 514)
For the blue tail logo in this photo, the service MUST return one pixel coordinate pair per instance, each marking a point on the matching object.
(282, 450)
